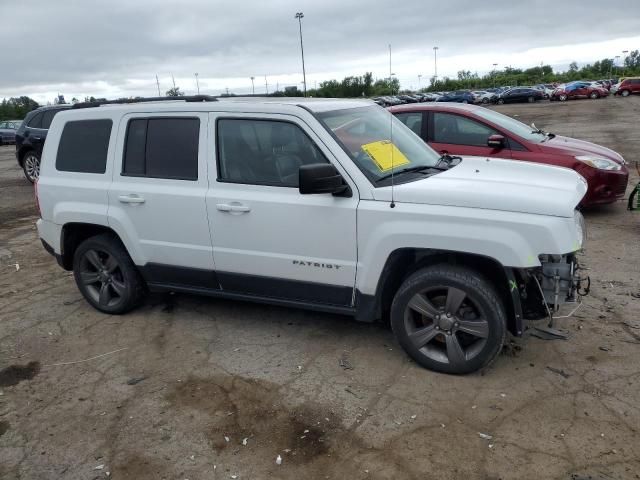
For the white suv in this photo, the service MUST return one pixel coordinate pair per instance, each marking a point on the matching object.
(323, 204)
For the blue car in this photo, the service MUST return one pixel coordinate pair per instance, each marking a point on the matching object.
(460, 96)
(8, 131)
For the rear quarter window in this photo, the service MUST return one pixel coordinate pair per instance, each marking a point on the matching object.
(83, 146)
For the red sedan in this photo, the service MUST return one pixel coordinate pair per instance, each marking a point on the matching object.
(579, 90)
(479, 131)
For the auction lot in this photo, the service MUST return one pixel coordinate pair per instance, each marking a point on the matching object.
(196, 388)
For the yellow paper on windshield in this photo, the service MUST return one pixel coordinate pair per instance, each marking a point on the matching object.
(385, 155)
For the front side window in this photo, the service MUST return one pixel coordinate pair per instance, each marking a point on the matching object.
(454, 129)
(511, 124)
(263, 152)
(83, 146)
(162, 148)
(378, 143)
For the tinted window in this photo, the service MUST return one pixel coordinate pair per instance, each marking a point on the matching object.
(47, 117)
(83, 146)
(162, 148)
(413, 120)
(36, 121)
(263, 152)
(450, 128)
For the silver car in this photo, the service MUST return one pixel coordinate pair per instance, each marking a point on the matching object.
(8, 131)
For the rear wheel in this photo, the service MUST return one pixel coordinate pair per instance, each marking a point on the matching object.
(625, 93)
(594, 95)
(449, 319)
(31, 166)
(485, 100)
(563, 97)
(500, 101)
(106, 276)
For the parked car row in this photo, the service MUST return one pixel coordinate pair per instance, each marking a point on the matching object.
(479, 131)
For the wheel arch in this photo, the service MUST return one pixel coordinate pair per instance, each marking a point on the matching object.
(403, 262)
(22, 152)
(73, 234)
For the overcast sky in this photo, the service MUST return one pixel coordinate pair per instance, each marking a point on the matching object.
(112, 48)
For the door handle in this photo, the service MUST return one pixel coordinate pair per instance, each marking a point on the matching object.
(233, 207)
(133, 198)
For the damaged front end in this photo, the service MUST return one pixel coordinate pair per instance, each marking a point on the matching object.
(560, 281)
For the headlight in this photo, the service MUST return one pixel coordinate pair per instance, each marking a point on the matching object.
(599, 162)
(581, 227)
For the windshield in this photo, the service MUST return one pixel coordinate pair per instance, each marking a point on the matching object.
(365, 135)
(510, 124)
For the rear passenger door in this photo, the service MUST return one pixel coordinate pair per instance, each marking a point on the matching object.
(157, 198)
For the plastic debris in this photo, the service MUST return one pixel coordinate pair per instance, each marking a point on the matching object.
(99, 467)
(278, 460)
(226, 439)
(485, 436)
(413, 417)
(503, 395)
(17, 267)
(244, 441)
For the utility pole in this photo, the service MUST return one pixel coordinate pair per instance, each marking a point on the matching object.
(494, 74)
(266, 85)
(158, 84)
(197, 84)
(419, 77)
(435, 63)
(617, 57)
(300, 16)
(174, 82)
(624, 61)
(253, 87)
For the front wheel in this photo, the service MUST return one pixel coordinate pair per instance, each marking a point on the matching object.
(31, 166)
(563, 98)
(625, 93)
(106, 275)
(594, 95)
(449, 319)
(500, 101)
(485, 101)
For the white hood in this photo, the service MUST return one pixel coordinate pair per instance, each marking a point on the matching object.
(496, 184)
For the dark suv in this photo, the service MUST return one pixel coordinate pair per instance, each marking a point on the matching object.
(30, 139)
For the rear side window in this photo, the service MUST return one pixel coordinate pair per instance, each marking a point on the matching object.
(47, 117)
(162, 148)
(413, 120)
(83, 146)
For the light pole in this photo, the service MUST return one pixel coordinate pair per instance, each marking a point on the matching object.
(617, 57)
(435, 63)
(624, 61)
(419, 78)
(494, 74)
(197, 84)
(300, 16)
(253, 87)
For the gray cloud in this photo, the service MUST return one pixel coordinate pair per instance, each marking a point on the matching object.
(66, 42)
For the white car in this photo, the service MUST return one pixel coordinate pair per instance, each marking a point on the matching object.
(328, 205)
(483, 97)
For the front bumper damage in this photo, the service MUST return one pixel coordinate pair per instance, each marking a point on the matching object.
(562, 282)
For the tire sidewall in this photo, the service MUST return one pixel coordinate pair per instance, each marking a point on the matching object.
(477, 288)
(130, 275)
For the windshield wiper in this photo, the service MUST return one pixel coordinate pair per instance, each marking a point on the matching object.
(417, 168)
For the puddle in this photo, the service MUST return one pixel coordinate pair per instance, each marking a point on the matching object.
(15, 374)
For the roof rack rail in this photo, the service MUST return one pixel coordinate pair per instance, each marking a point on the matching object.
(122, 101)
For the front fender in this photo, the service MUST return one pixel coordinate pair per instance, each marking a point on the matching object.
(512, 239)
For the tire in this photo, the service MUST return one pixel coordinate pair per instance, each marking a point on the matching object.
(457, 343)
(625, 93)
(563, 98)
(500, 101)
(31, 166)
(594, 95)
(485, 101)
(531, 99)
(106, 275)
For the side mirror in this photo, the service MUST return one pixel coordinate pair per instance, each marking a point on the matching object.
(322, 178)
(496, 141)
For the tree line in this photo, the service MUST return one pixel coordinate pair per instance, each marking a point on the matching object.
(16, 108)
